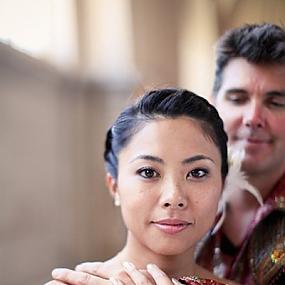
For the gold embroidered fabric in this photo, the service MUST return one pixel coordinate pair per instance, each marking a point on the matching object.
(194, 280)
(267, 249)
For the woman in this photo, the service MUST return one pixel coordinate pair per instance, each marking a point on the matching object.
(166, 161)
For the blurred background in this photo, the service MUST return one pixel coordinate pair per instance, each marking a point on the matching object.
(67, 67)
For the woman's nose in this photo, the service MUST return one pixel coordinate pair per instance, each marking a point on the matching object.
(173, 197)
(179, 205)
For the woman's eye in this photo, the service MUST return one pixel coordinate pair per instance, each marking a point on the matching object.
(197, 173)
(147, 173)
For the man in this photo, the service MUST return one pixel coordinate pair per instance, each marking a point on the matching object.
(249, 93)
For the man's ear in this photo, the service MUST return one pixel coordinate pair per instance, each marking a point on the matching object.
(111, 183)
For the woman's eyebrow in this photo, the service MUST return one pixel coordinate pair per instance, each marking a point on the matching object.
(196, 158)
(148, 157)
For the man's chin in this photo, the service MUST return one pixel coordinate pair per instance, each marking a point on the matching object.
(253, 165)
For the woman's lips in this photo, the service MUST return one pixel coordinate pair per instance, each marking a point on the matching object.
(171, 226)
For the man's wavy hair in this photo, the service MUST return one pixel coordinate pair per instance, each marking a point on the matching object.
(260, 44)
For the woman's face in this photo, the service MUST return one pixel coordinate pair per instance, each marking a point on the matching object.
(169, 183)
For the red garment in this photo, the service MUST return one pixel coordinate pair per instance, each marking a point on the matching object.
(253, 262)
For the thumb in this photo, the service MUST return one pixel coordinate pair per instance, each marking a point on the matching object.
(91, 268)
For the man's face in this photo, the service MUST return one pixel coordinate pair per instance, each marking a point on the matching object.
(251, 101)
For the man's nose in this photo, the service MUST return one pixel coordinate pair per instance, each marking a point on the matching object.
(173, 196)
(254, 115)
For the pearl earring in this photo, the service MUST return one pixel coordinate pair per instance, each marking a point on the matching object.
(117, 201)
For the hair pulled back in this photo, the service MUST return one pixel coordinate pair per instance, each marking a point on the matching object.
(164, 103)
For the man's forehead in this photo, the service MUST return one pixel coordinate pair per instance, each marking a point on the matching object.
(240, 74)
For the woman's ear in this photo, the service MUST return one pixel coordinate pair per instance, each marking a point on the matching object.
(111, 183)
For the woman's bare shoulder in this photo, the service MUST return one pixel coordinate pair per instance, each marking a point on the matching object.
(103, 269)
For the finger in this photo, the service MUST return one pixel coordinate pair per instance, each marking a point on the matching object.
(72, 277)
(55, 282)
(123, 276)
(137, 277)
(158, 275)
(100, 269)
(115, 281)
(90, 267)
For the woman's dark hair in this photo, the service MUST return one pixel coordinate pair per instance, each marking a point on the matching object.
(166, 103)
(260, 44)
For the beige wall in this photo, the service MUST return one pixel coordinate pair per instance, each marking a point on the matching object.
(55, 210)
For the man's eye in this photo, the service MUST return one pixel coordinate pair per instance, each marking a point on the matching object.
(147, 173)
(197, 173)
(279, 103)
(236, 99)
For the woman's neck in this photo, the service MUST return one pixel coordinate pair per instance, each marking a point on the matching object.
(173, 265)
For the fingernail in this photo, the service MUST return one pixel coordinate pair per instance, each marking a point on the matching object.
(128, 266)
(114, 281)
(154, 270)
(57, 272)
(175, 281)
(78, 267)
